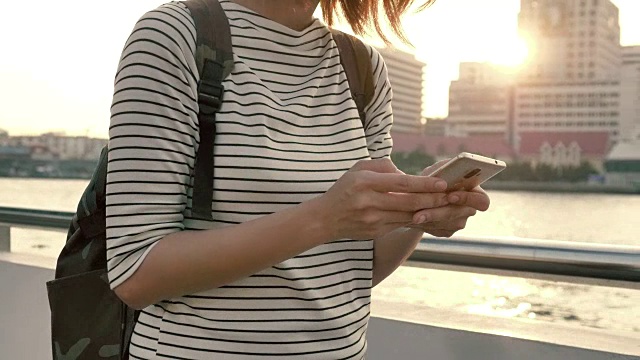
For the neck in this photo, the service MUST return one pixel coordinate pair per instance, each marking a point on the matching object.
(294, 14)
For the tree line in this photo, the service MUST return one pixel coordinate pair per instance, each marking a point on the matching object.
(415, 161)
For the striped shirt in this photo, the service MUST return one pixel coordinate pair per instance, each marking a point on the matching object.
(287, 130)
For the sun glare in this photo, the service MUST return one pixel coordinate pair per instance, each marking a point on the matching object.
(513, 54)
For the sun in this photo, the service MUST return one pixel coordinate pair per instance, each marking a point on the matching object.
(513, 54)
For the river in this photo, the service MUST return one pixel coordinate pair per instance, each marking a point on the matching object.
(611, 219)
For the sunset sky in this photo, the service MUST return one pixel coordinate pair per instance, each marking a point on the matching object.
(58, 59)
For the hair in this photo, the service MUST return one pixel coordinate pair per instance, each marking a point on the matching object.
(361, 14)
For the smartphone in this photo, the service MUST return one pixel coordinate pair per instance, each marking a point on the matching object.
(468, 170)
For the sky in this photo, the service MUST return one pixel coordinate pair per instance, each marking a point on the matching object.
(58, 58)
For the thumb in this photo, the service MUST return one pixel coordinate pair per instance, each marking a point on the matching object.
(384, 165)
(429, 169)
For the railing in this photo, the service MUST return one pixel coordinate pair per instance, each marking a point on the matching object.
(598, 264)
(444, 336)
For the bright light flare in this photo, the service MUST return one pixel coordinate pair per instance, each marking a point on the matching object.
(512, 54)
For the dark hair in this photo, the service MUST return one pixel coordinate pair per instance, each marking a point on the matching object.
(360, 14)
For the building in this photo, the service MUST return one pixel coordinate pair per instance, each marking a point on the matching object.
(622, 165)
(443, 147)
(405, 76)
(480, 101)
(59, 146)
(435, 126)
(571, 39)
(4, 137)
(630, 94)
(567, 107)
(567, 103)
(561, 149)
(14, 153)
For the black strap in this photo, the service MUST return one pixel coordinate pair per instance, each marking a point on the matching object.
(101, 178)
(130, 317)
(214, 58)
(356, 62)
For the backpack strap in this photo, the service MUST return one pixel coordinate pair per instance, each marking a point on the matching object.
(214, 58)
(356, 62)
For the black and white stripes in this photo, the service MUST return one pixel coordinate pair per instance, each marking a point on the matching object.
(287, 130)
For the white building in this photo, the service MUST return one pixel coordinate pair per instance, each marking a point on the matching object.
(568, 107)
(571, 39)
(479, 101)
(405, 76)
(563, 148)
(630, 94)
(571, 87)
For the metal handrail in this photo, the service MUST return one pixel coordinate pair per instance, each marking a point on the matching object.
(579, 262)
(34, 218)
(612, 265)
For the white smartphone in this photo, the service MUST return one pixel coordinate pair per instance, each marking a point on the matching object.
(467, 171)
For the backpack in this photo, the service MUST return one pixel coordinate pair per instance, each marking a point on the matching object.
(88, 320)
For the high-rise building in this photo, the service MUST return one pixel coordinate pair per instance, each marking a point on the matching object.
(630, 93)
(405, 76)
(571, 85)
(571, 39)
(556, 107)
(479, 101)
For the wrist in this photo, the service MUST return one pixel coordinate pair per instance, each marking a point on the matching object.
(317, 223)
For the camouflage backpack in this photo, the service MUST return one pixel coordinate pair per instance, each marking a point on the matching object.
(88, 320)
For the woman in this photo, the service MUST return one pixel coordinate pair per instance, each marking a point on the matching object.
(309, 211)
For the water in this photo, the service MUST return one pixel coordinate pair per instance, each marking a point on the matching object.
(572, 217)
(594, 218)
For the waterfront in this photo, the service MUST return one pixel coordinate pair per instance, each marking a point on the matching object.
(571, 217)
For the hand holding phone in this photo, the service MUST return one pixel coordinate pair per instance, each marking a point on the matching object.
(467, 170)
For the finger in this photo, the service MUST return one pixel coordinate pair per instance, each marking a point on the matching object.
(444, 229)
(378, 219)
(401, 183)
(452, 225)
(443, 214)
(441, 233)
(409, 202)
(429, 169)
(400, 218)
(478, 200)
(383, 165)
